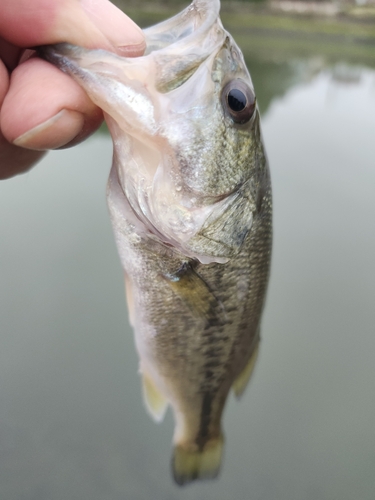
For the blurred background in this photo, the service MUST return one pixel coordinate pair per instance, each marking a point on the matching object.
(72, 422)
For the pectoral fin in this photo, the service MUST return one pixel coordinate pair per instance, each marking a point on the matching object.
(194, 291)
(239, 385)
(156, 403)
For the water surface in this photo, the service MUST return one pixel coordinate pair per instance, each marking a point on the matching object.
(72, 422)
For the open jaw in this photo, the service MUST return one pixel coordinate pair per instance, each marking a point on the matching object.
(174, 48)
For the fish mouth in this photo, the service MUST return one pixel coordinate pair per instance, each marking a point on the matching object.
(176, 47)
(181, 44)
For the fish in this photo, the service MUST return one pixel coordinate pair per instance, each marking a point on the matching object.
(189, 196)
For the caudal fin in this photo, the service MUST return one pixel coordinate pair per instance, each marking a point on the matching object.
(189, 465)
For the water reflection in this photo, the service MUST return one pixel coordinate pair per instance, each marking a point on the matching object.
(72, 423)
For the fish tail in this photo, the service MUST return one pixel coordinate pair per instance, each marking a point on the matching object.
(190, 463)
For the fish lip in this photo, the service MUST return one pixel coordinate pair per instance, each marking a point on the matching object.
(207, 10)
(60, 55)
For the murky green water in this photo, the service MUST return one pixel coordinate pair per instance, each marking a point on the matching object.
(72, 422)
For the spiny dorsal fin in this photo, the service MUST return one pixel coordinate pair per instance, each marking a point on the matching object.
(189, 464)
(156, 403)
(239, 385)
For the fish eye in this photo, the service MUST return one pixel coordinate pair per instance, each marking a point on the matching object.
(239, 100)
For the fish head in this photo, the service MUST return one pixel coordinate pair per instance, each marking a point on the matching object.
(185, 129)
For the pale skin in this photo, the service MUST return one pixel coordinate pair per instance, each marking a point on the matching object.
(41, 108)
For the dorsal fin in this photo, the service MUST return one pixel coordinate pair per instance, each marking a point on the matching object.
(240, 383)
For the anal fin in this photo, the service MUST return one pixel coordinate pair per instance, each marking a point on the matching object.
(155, 402)
(240, 383)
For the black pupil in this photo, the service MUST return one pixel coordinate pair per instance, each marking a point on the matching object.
(236, 100)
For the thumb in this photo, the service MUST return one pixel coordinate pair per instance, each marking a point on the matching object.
(98, 24)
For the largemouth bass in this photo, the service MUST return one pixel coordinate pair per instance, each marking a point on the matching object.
(189, 196)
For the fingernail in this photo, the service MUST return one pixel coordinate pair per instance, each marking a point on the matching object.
(53, 133)
(118, 28)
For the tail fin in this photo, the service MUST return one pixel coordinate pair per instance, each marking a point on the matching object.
(189, 465)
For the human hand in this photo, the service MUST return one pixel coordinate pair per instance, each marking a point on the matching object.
(41, 107)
